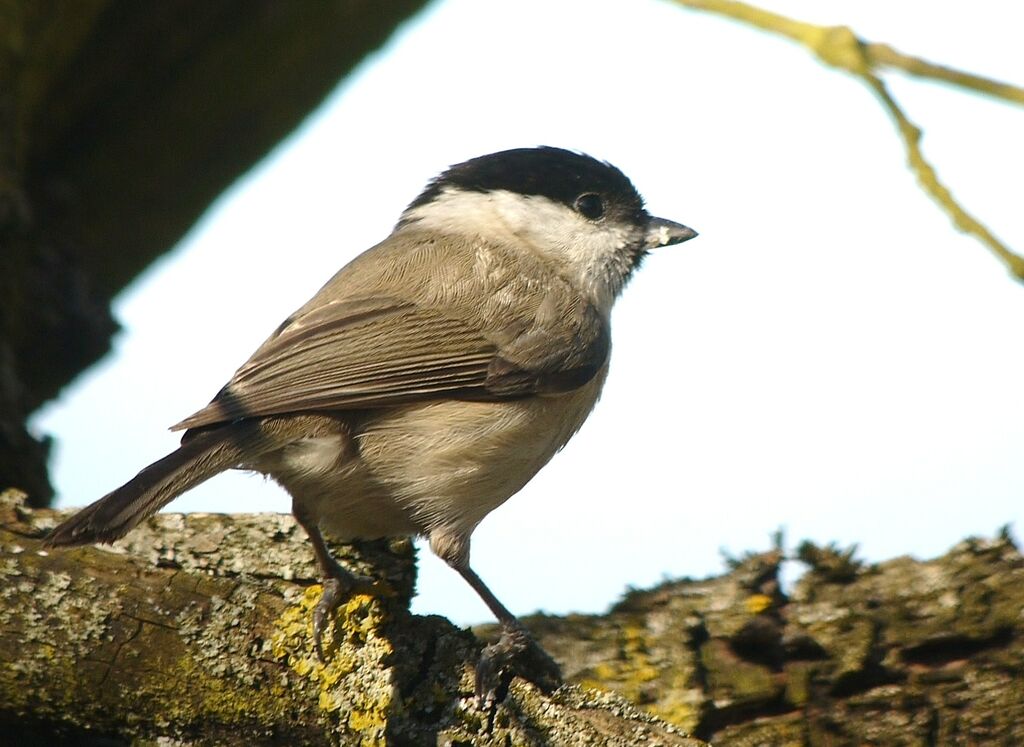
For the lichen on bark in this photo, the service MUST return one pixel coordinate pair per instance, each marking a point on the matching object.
(195, 629)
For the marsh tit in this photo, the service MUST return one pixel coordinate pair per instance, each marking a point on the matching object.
(429, 379)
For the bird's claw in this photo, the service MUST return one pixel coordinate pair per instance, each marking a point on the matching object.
(514, 653)
(338, 588)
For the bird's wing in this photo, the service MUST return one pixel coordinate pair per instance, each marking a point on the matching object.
(380, 352)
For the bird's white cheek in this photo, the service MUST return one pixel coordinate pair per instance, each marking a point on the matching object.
(595, 256)
(601, 262)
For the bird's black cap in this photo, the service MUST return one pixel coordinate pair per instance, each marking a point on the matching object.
(560, 175)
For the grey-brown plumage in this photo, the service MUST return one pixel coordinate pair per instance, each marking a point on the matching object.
(432, 376)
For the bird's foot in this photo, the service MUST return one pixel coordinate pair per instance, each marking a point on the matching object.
(514, 653)
(340, 586)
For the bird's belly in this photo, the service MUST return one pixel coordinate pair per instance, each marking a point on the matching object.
(441, 465)
(326, 478)
(450, 463)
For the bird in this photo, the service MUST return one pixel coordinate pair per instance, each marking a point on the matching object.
(429, 379)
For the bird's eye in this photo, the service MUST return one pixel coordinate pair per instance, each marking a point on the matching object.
(590, 205)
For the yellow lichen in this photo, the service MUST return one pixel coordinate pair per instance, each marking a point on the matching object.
(685, 715)
(758, 603)
(216, 699)
(353, 684)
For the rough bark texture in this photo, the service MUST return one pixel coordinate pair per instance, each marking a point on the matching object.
(902, 653)
(120, 122)
(196, 629)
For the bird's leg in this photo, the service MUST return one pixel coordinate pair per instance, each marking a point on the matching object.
(338, 583)
(515, 645)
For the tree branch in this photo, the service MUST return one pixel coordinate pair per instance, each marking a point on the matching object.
(196, 630)
(838, 46)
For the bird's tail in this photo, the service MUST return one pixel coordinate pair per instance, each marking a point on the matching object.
(201, 455)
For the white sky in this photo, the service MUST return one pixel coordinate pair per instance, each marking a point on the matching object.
(830, 356)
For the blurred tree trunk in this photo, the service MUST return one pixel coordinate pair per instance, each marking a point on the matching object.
(120, 122)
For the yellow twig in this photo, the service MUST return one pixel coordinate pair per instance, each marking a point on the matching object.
(882, 55)
(929, 181)
(839, 47)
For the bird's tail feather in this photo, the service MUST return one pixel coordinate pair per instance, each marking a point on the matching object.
(201, 456)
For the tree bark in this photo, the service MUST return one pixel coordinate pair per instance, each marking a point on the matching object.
(901, 653)
(196, 630)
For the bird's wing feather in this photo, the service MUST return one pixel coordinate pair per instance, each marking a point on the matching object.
(380, 352)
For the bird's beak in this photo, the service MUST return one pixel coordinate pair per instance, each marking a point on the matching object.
(661, 232)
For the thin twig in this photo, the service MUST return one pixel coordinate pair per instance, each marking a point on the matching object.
(839, 47)
(882, 55)
(929, 181)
